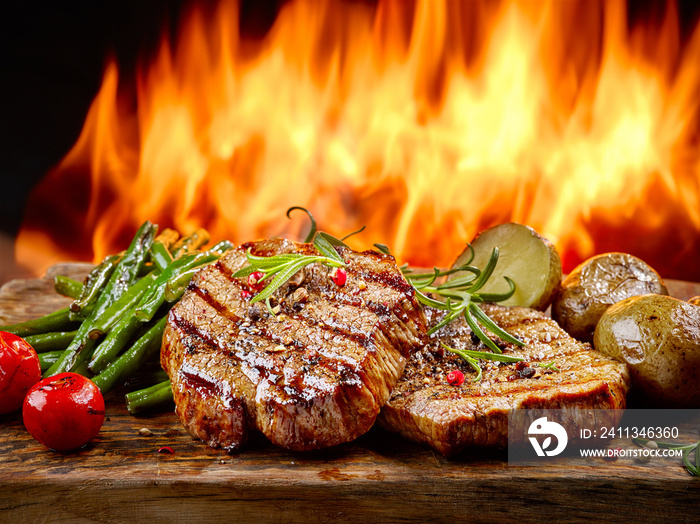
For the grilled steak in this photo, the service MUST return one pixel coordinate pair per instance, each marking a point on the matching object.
(424, 408)
(314, 375)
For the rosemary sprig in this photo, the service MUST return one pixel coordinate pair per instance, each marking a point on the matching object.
(461, 297)
(278, 269)
(472, 358)
(693, 469)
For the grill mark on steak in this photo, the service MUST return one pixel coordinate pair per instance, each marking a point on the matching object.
(192, 334)
(338, 297)
(315, 375)
(386, 279)
(289, 313)
(424, 408)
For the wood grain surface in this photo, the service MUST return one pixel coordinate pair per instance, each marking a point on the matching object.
(121, 476)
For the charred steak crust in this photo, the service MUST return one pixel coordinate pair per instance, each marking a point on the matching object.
(314, 375)
(424, 408)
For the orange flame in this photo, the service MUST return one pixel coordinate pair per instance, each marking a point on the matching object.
(425, 122)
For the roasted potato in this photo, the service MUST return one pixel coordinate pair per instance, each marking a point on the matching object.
(595, 285)
(525, 256)
(658, 337)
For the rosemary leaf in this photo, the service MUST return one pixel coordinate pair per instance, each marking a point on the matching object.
(427, 301)
(245, 271)
(332, 240)
(475, 366)
(666, 445)
(486, 273)
(285, 274)
(499, 297)
(478, 331)
(492, 326)
(448, 318)
(471, 255)
(312, 231)
(421, 281)
(461, 281)
(383, 248)
(269, 262)
(325, 247)
(483, 355)
(686, 462)
(354, 233)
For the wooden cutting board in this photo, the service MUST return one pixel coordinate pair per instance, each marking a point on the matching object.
(121, 476)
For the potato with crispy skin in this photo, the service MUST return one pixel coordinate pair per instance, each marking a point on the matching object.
(595, 285)
(658, 337)
(525, 256)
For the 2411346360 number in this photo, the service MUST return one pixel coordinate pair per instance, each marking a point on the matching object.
(635, 432)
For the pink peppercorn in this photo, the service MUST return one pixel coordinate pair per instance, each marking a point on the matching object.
(455, 378)
(254, 279)
(339, 276)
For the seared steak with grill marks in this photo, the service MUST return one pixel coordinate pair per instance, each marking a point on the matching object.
(424, 408)
(314, 375)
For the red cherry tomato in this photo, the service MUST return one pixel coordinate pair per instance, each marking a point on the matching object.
(19, 370)
(64, 412)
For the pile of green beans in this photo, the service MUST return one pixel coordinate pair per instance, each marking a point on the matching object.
(114, 326)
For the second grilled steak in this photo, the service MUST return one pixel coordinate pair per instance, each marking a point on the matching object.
(314, 375)
(424, 408)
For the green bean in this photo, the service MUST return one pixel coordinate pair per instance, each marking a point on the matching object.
(222, 247)
(160, 255)
(53, 341)
(151, 302)
(79, 316)
(46, 360)
(115, 341)
(56, 321)
(122, 277)
(82, 369)
(67, 286)
(157, 375)
(190, 243)
(94, 282)
(76, 352)
(168, 237)
(121, 307)
(148, 398)
(127, 364)
(175, 288)
(128, 267)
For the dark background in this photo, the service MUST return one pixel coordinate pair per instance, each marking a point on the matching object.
(51, 62)
(52, 56)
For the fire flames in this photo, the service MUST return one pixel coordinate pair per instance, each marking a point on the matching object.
(425, 122)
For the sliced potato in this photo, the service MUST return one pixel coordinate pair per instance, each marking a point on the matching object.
(525, 256)
(597, 283)
(658, 337)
